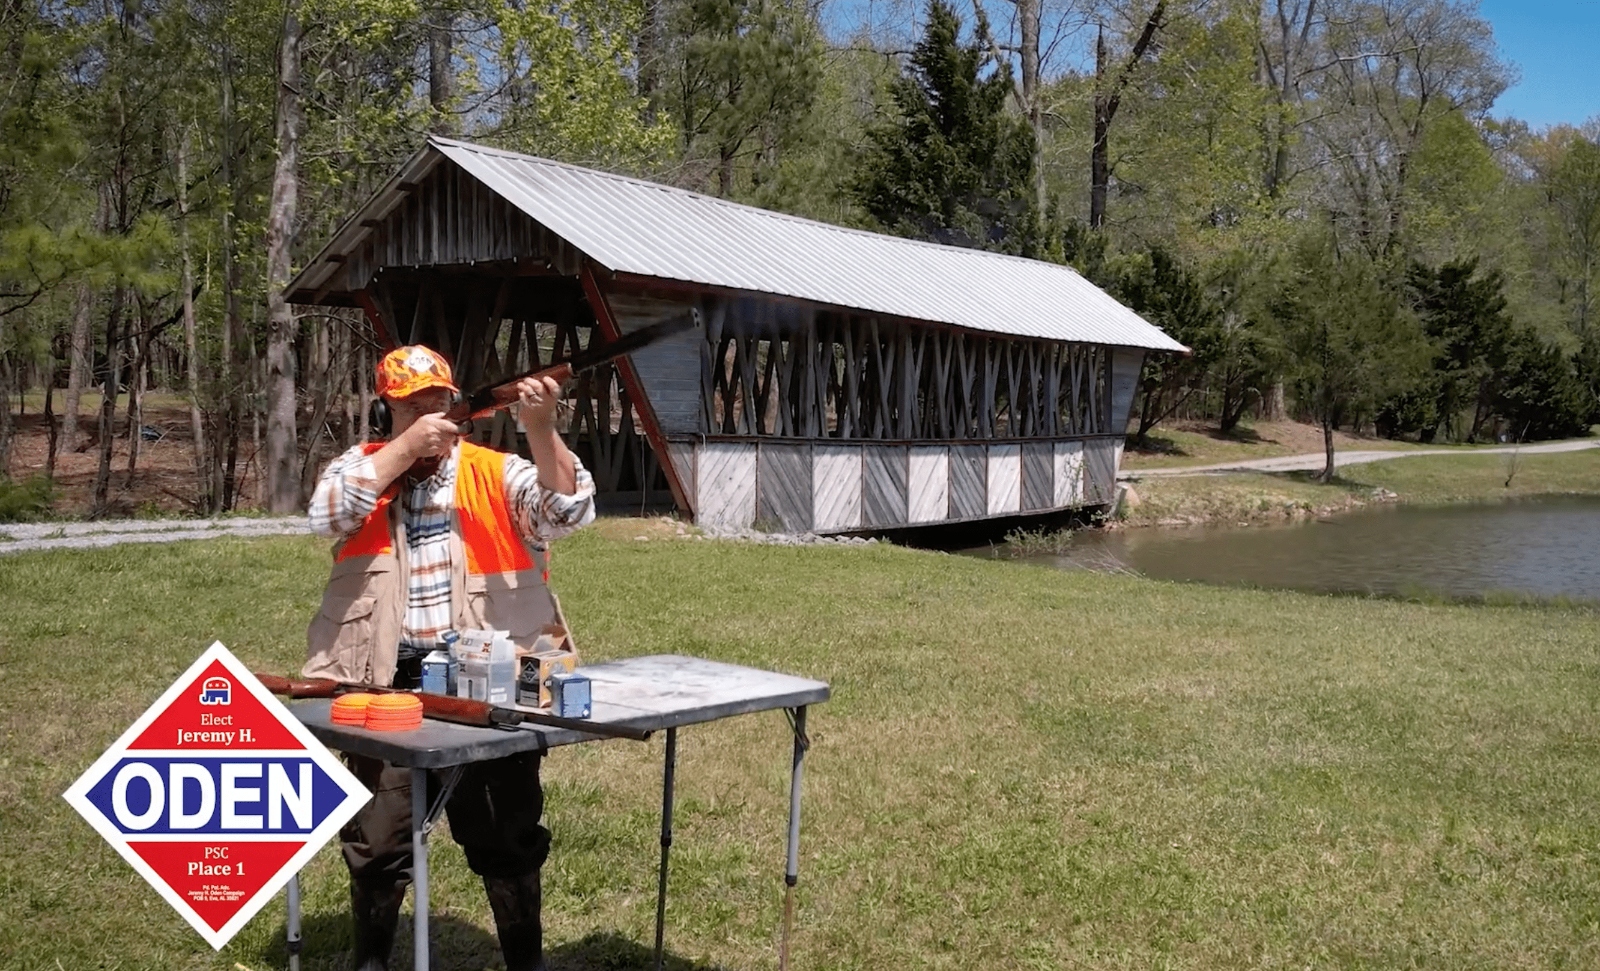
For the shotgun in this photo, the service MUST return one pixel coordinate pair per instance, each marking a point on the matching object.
(492, 397)
(462, 711)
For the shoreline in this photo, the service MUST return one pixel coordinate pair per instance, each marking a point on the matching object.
(1254, 498)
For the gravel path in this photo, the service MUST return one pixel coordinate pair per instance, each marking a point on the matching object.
(27, 537)
(1314, 461)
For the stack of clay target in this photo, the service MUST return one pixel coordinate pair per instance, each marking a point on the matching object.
(351, 709)
(394, 713)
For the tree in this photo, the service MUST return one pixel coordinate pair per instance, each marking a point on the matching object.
(1284, 53)
(1573, 192)
(745, 76)
(1541, 395)
(1350, 343)
(951, 165)
(282, 469)
(1109, 85)
(1463, 313)
(1248, 356)
(1160, 289)
(1393, 68)
(567, 88)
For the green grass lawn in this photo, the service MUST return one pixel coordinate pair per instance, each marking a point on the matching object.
(1254, 496)
(1020, 768)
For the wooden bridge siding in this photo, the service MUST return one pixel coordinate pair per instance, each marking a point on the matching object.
(725, 484)
(836, 487)
(669, 371)
(773, 368)
(1005, 479)
(451, 219)
(1038, 476)
(1099, 471)
(1125, 366)
(783, 486)
(682, 456)
(1068, 474)
(968, 476)
(885, 473)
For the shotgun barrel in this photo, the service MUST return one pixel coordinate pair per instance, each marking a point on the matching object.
(461, 711)
(502, 393)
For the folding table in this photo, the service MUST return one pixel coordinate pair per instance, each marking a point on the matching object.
(657, 692)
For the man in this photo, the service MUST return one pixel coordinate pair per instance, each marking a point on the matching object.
(435, 534)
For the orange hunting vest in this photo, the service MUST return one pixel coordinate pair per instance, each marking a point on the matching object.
(496, 580)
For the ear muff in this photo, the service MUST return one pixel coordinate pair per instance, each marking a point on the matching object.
(379, 420)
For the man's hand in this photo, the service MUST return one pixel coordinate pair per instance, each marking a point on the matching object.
(430, 436)
(426, 438)
(536, 412)
(538, 400)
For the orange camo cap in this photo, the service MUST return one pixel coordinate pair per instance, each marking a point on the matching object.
(406, 370)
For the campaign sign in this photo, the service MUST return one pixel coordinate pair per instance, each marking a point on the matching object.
(217, 795)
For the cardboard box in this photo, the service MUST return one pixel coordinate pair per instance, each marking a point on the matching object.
(533, 681)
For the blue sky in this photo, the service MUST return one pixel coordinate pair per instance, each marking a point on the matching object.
(1556, 47)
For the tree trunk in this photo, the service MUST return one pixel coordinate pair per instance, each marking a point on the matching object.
(281, 471)
(225, 460)
(79, 365)
(649, 52)
(441, 73)
(50, 429)
(350, 362)
(141, 360)
(1327, 448)
(108, 404)
(1232, 406)
(725, 171)
(1107, 98)
(7, 423)
(319, 385)
(364, 377)
(205, 495)
(1099, 152)
(1028, 12)
(1277, 406)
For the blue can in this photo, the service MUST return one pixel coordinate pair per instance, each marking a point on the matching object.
(569, 695)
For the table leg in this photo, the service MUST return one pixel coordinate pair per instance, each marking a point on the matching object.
(791, 873)
(293, 923)
(419, 862)
(666, 842)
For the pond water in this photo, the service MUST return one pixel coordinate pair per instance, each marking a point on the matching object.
(1537, 547)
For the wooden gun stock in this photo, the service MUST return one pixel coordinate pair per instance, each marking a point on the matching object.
(295, 688)
(461, 711)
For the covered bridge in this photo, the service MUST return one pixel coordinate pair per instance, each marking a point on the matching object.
(839, 380)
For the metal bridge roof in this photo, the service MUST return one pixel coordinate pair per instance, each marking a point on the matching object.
(632, 226)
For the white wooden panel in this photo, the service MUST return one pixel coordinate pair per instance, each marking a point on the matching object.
(1005, 479)
(1069, 474)
(1125, 365)
(836, 487)
(930, 485)
(726, 484)
(1116, 461)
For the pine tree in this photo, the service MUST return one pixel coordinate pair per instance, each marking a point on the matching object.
(952, 166)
